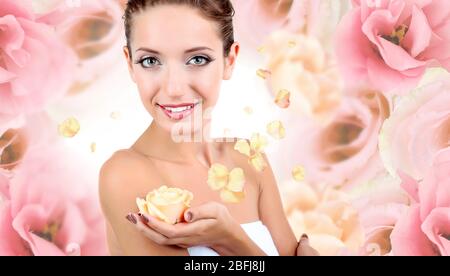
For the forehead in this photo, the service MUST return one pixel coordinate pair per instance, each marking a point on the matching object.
(171, 27)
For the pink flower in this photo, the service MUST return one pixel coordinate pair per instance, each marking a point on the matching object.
(35, 65)
(50, 211)
(344, 152)
(256, 19)
(93, 30)
(418, 128)
(425, 228)
(4, 186)
(31, 132)
(390, 43)
(380, 203)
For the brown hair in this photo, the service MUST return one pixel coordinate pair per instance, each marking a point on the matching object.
(220, 11)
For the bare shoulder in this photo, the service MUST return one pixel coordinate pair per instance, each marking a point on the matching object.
(123, 176)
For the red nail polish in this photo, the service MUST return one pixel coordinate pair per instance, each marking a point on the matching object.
(131, 218)
(188, 216)
(144, 218)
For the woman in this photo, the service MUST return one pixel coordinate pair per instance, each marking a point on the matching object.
(178, 53)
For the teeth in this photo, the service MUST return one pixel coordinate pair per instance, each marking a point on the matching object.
(177, 109)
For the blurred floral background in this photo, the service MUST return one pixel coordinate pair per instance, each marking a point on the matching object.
(354, 95)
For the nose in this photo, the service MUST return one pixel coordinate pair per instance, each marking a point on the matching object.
(173, 84)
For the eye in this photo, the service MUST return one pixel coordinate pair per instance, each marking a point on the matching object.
(199, 61)
(149, 62)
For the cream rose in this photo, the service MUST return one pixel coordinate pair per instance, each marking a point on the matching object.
(329, 219)
(300, 65)
(166, 204)
(418, 128)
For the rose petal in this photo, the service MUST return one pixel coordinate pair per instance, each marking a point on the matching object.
(217, 177)
(437, 228)
(243, 147)
(69, 128)
(231, 197)
(276, 130)
(407, 238)
(298, 173)
(258, 162)
(418, 37)
(258, 142)
(283, 98)
(236, 180)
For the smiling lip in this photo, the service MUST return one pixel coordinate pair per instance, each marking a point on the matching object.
(177, 111)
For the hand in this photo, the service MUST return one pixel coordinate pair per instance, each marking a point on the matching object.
(304, 249)
(209, 225)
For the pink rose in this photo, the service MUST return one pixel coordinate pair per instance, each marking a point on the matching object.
(425, 228)
(35, 65)
(256, 19)
(344, 152)
(49, 210)
(32, 132)
(380, 203)
(390, 43)
(418, 128)
(93, 30)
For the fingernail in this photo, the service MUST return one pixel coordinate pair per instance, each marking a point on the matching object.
(188, 216)
(304, 236)
(131, 218)
(144, 217)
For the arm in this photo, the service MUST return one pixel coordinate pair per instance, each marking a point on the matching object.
(273, 216)
(121, 179)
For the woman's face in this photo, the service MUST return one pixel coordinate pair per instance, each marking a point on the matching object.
(178, 64)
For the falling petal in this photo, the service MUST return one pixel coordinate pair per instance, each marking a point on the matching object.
(69, 128)
(258, 162)
(298, 173)
(217, 177)
(248, 110)
(258, 142)
(231, 197)
(243, 147)
(93, 147)
(115, 115)
(261, 49)
(236, 180)
(276, 130)
(283, 98)
(292, 44)
(264, 74)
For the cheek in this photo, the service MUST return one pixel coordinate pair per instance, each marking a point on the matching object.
(147, 86)
(208, 83)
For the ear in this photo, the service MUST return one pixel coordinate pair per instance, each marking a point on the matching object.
(127, 54)
(230, 61)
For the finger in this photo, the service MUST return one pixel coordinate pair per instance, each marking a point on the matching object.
(307, 251)
(144, 229)
(304, 249)
(210, 210)
(170, 231)
(304, 240)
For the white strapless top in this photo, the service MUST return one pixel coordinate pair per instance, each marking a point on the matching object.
(257, 231)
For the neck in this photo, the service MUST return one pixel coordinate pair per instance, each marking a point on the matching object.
(192, 151)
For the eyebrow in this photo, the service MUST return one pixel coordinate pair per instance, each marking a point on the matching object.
(186, 52)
